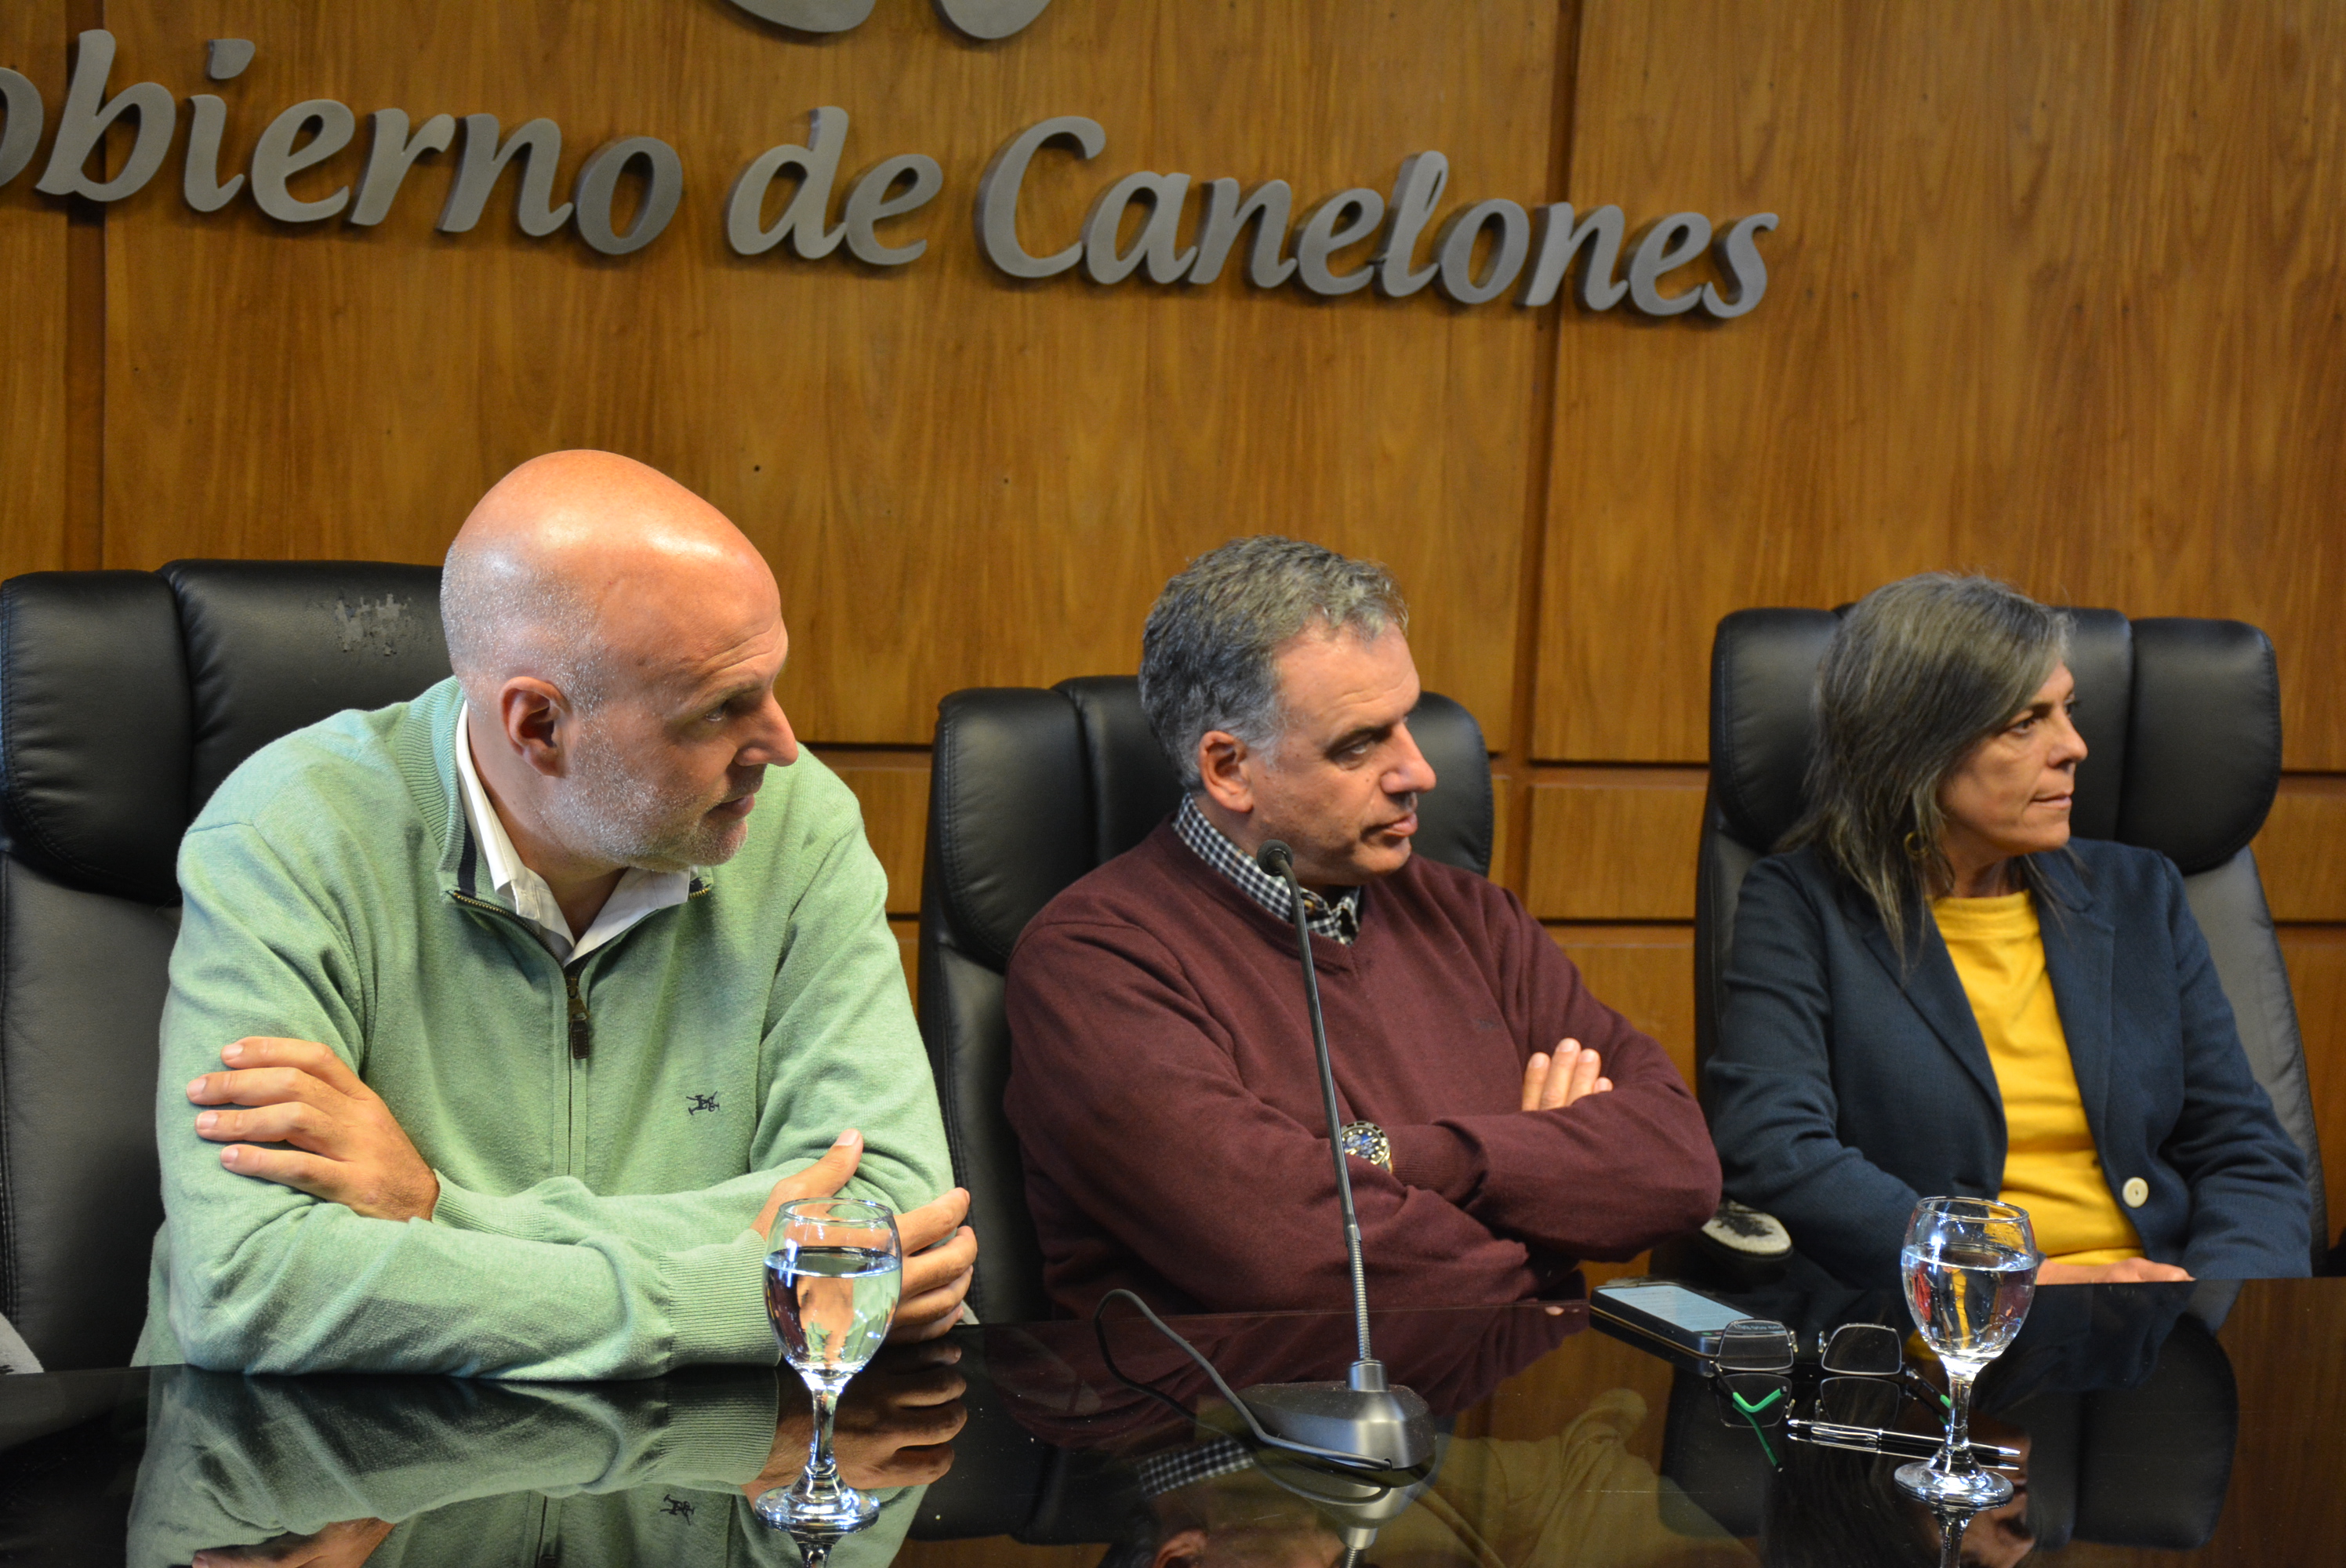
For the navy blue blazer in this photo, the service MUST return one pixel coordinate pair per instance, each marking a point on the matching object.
(1846, 1083)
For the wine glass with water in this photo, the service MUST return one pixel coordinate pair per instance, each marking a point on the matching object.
(1969, 1267)
(833, 1278)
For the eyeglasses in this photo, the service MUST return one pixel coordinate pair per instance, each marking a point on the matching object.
(1751, 1375)
(1865, 1381)
(1865, 1372)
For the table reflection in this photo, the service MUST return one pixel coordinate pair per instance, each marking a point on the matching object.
(388, 1470)
(1193, 1487)
(2116, 1404)
(1060, 1444)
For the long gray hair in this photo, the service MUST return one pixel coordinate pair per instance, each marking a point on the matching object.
(1919, 673)
(1207, 653)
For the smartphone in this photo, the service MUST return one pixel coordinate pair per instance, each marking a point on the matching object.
(1684, 1319)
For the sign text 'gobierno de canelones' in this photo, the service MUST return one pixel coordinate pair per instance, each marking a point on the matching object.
(1186, 230)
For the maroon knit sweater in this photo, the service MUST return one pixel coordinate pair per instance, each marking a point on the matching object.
(1163, 1090)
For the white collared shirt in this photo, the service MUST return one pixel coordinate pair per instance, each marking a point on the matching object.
(639, 893)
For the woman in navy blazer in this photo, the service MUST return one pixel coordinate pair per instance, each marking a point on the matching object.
(1853, 1077)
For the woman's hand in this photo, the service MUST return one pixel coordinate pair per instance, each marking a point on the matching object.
(2131, 1270)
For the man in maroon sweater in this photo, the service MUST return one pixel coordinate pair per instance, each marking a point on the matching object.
(1503, 1122)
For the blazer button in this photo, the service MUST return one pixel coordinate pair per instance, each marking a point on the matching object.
(2137, 1191)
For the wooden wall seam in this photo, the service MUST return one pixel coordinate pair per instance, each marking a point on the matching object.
(1511, 846)
(84, 368)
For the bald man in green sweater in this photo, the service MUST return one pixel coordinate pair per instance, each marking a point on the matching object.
(502, 1021)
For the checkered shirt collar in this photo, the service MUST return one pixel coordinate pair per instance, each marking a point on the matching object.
(1337, 919)
(1177, 1468)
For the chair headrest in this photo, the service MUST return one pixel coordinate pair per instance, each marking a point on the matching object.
(2204, 758)
(126, 696)
(1455, 821)
(2101, 658)
(2181, 720)
(1010, 819)
(94, 730)
(274, 646)
(1763, 682)
(1132, 787)
(1033, 788)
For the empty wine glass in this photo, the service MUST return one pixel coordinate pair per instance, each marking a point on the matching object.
(833, 1280)
(1969, 1267)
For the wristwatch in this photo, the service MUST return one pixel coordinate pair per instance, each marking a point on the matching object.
(1367, 1141)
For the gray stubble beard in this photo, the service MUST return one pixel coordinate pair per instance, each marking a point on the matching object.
(615, 813)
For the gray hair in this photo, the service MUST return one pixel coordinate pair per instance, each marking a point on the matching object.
(504, 619)
(1207, 653)
(1917, 674)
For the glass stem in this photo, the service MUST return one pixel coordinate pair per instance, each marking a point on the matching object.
(1950, 1538)
(1958, 1455)
(822, 1465)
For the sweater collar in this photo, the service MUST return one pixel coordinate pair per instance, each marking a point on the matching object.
(1338, 919)
(1191, 872)
(424, 751)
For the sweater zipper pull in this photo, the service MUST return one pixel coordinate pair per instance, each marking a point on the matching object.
(580, 1033)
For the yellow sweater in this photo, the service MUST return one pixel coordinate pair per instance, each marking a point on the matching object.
(2051, 1167)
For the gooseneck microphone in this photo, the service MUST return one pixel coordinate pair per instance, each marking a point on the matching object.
(1280, 862)
(1362, 1415)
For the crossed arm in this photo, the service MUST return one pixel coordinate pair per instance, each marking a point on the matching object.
(1164, 1144)
(344, 1145)
(315, 1256)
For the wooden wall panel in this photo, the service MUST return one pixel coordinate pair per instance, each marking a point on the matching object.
(2301, 850)
(893, 787)
(1506, 803)
(2316, 957)
(960, 480)
(1614, 843)
(34, 247)
(2056, 297)
(1646, 973)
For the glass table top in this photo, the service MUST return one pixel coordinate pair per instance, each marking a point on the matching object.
(2141, 1423)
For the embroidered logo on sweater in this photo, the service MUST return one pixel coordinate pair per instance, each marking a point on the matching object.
(700, 1102)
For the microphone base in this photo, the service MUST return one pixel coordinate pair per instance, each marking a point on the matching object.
(1392, 1426)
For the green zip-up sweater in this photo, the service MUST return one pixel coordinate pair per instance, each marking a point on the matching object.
(603, 1134)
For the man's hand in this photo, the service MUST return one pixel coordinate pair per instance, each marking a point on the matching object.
(347, 1147)
(2128, 1271)
(1570, 1074)
(821, 1180)
(343, 1545)
(895, 1428)
(936, 1277)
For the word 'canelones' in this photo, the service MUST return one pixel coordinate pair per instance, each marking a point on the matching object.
(1474, 256)
(1352, 217)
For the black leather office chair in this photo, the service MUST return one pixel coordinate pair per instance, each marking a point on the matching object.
(2182, 723)
(124, 698)
(1030, 789)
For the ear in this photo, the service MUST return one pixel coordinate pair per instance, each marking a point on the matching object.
(1221, 771)
(1182, 1549)
(535, 719)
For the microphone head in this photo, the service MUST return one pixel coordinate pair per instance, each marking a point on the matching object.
(1276, 858)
